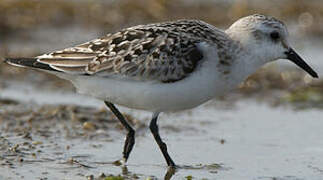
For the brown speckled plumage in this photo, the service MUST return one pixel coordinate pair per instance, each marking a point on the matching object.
(165, 52)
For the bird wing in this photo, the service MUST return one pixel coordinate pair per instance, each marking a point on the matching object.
(133, 53)
(164, 52)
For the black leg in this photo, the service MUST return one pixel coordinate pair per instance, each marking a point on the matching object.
(130, 139)
(162, 146)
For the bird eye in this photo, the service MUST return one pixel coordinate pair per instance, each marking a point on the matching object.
(274, 35)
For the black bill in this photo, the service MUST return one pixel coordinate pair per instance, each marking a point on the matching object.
(294, 57)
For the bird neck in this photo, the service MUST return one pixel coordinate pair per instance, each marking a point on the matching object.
(248, 61)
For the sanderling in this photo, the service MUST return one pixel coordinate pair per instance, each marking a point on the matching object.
(168, 66)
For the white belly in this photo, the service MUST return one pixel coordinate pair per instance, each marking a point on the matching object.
(192, 91)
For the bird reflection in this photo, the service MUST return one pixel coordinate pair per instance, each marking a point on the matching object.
(169, 173)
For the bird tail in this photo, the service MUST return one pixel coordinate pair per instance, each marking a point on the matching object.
(29, 62)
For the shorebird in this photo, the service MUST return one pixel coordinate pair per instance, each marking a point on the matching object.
(168, 66)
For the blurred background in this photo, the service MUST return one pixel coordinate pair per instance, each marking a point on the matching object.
(44, 123)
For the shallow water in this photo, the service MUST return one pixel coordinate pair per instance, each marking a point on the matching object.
(218, 140)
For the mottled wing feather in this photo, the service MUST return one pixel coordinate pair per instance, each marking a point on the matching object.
(146, 55)
(71, 60)
(165, 52)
